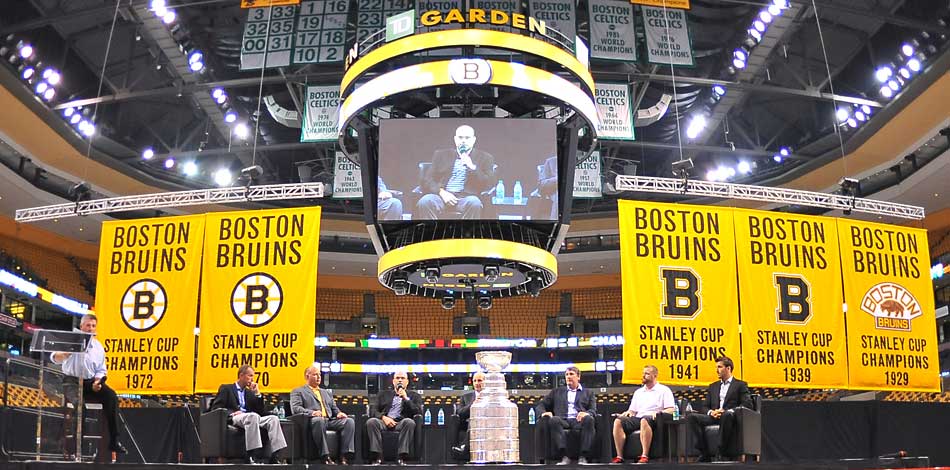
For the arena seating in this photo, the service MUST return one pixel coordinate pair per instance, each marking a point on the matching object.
(338, 304)
(60, 275)
(415, 317)
(598, 303)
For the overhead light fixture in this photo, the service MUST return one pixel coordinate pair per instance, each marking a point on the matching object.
(75, 118)
(217, 92)
(893, 85)
(907, 49)
(169, 17)
(230, 116)
(241, 130)
(432, 274)
(886, 92)
(41, 87)
(866, 109)
(842, 114)
(27, 72)
(739, 57)
(883, 73)
(169, 163)
(68, 112)
(49, 94)
(222, 177)
(765, 16)
(860, 116)
(913, 64)
(51, 76)
(744, 167)
(484, 302)
(784, 151)
(190, 168)
(25, 50)
(148, 153)
(448, 302)
(491, 273)
(719, 90)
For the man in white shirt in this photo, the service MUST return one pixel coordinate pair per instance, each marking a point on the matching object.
(648, 401)
(91, 368)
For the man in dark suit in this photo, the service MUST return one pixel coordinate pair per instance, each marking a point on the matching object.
(324, 414)
(394, 410)
(722, 398)
(456, 179)
(566, 408)
(464, 412)
(243, 400)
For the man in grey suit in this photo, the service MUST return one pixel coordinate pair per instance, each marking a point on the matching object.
(324, 414)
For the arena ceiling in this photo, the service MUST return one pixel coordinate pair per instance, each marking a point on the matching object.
(817, 57)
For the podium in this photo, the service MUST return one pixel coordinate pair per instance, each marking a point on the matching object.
(59, 341)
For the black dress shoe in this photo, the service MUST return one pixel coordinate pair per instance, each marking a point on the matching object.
(401, 462)
(327, 460)
(376, 462)
(119, 448)
(344, 461)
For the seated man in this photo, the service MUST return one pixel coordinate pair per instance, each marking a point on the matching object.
(243, 400)
(456, 179)
(648, 401)
(388, 207)
(566, 408)
(394, 411)
(722, 398)
(464, 413)
(324, 414)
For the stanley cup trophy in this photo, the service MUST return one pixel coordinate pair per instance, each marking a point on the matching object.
(493, 424)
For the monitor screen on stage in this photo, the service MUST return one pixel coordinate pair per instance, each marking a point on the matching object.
(457, 168)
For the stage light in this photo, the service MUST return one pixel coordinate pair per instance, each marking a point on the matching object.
(774, 10)
(400, 283)
(719, 90)
(853, 123)
(27, 72)
(754, 38)
(765, 16)
(148, 153)
(883, 73)
(860, 116)
(780, 3)
(759, 26)
(222, 177)
(778, 158)
(68, 112)
(866, 109)
(168, 17)
(491, 273)
(217, 92)
(784, 151)
(903, 72)
(913, 64)
(744, 167)
(893, 85)
(51, 76)
(230, 116)
(712, 175)
(448, 302)
(74, 119)
(432, 274)
(220, 99)
(484, 302)
(907, 49)
(169, 163)
(190, 168)
(157, 4)
(26, 50)
(842, 114)
(886, 92)
(195, 57)
(41, 87)
(87, 128)
(695, 126)
(739, 57)
(241, 130)
(49, 94)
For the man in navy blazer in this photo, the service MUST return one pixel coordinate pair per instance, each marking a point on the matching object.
(722, 398)
(247, 411)
(566, 408)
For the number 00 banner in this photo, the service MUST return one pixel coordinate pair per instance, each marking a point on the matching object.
(891, 329)
(258, 297)
(793, 330)
(678, 266)
(146, 302)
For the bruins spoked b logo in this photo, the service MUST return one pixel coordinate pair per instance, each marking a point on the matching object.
(256, 299)
(144, 304)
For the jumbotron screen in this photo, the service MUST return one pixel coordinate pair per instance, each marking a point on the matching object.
(456, 168)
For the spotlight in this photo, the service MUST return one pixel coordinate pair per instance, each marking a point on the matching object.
(730, 172)
(49, 94)
(241, 131)
(712, 175)
(68, 112)
(695, 126)
(448, 302)
(157, 4)
(893, 85)
(913, 64)
(400, 283)
(842, 114)
(744, 167)
(886, 92)
(491, 273)
(26, 50)
(784, 151)
(853, 123)
(907, 49)
(777, 158)
(432, 274)
(80, 192)
(221, 98)
(866, 109)
(860, 116)
(484, 302)
(759, 26)
(169, 163)
(27, 72)
(780, 3)
(190, 168)
(88, 130)
(883, 73)
(765, 16)
(217, 92)
(739, 57)
(41, 87)
(168, 17)
(534, 283)
(51, 76)
(196, 61)
(222, 177)
(903, 72)
(681, 167)
(719, 90)
(148, 153)
(774, 10)
(230, 116)
(74, 119)
(754, 38)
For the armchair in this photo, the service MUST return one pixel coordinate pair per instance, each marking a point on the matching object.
(542, 440)
(748, 432)
(391, 440)
(219, 439)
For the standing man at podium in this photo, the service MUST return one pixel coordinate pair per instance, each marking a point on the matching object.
(91, 368)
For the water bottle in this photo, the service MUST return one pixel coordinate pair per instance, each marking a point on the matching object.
(441, 417)
(676, 413)
(428, 417)
(517, 192)
(280, 411)
(500, 191)
(531, 416)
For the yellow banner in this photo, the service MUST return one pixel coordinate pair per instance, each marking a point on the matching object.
(892, 337)
(258, 297)
(793, 332)
(146, 302)
(678, 268)
(684, 4)
(267, 3)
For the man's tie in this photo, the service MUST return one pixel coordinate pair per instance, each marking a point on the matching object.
(323, 408)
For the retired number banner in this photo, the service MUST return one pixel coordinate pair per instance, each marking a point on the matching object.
(678, 268)
(793, 332)
(147, 301)
(258, 297)
(891, 320)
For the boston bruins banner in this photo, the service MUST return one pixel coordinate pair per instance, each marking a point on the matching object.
(793, 332)
(891, 320)
(146, 302)
(258, 297)
(678, 267)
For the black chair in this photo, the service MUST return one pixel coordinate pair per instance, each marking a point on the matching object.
(632, 449)
(488, 208)
(573, 451)
(219, 439)
(95, 428)
(748, 432)
(391, 441)
(305, 447)
(455, 433)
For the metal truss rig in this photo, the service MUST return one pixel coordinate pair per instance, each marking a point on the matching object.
(762, 193)
(272, 192)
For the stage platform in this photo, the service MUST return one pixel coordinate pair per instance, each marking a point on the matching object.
(852, 464)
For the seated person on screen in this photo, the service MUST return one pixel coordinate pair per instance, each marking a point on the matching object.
(722, 398)
(91, 368)
(394, 410)
(324, 414)
(464, 412)
(388, 207)
(569, 407)
(647, 403)
(456, 178)
(247, 411)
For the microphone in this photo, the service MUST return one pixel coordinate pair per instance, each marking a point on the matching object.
(895, 455)
(399, 387)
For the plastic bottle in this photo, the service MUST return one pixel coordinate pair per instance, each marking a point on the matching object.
(517, 192)
(428, 417)
(500, 190)
(441, 417)
(676, 413)
(531, 416)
